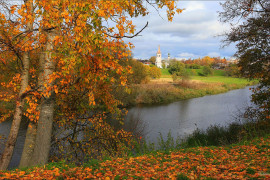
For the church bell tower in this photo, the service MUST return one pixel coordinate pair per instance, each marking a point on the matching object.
(158, 58)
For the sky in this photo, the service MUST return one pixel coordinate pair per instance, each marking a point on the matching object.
(196, 32)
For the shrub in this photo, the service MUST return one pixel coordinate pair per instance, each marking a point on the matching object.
(207, 71)
(139, 72)
(154, 72)
(193, 66)
(177, 67)
(232, 70)
(193, 72)
(174, 77)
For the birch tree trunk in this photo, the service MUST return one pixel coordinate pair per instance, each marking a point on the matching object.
(44, 128)
(31, 133)
(14, 130)
(12, 138)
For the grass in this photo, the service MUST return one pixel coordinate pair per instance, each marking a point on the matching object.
(223, 79)
(216, 72)
(164, 90)
(217, 77)
(234, 133)
(165, 72)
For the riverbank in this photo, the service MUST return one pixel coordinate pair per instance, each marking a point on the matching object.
(164, 90)
(246, 160)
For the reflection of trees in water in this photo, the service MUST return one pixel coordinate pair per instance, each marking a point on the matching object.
(135, 125)
(82, 140)
(78, 141)
(4, 132)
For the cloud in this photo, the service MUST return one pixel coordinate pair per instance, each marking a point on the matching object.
(186, 55)
(194, 6)
(213, 54)
(193, 32)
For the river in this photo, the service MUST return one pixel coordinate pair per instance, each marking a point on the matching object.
(181, 118)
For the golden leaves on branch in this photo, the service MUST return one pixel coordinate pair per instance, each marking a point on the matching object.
(86, 51)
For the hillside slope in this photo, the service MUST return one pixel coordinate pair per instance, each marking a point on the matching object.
(243, 161)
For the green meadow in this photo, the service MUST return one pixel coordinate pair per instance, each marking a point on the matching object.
(219, 76)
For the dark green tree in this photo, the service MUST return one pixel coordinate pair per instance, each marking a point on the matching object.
(177, 67)
(251, 35)
(232, 70)
(207, 70)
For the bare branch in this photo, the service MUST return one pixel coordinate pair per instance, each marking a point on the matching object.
(128, 36)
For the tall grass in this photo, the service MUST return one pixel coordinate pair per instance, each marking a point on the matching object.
(160, 93)
(234, 133)
(213, 136)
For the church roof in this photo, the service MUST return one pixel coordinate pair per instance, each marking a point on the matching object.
(158, 52)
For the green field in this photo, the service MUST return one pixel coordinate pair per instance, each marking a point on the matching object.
(165, 72)
(218, 76)
(217, 72)
(223, 79)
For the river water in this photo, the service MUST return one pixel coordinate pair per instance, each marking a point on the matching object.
(183, 117)
(180, 118)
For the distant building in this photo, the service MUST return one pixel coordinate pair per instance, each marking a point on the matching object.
(158, 58)
(233, 60)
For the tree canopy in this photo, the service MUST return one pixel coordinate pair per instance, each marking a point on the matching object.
(251, 35)
(59, 59)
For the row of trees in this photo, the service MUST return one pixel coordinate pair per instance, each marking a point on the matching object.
(196, 63)
(60, 62)
(207, 61)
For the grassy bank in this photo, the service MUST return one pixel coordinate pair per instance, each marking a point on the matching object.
(247, 160)
(164, 90)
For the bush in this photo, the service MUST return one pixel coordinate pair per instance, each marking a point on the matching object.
(154, 72)
(174, 77)
(193, 66)
(207, 70)
(232, 70)
(193, 72)
(177, 67)
(250, 124)
(139, 72)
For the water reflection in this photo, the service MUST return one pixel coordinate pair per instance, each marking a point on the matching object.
(4, 130)
(183, 117)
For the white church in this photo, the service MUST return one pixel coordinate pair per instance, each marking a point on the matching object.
(159, 60)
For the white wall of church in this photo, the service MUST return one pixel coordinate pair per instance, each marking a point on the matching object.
(158, 61)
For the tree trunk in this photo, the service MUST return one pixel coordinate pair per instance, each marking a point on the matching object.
(29, 145)
(12, 138)
(31, 133)
(14, 130)
(44, 129)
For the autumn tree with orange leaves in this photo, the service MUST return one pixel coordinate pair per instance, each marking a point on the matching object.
(60, 57)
